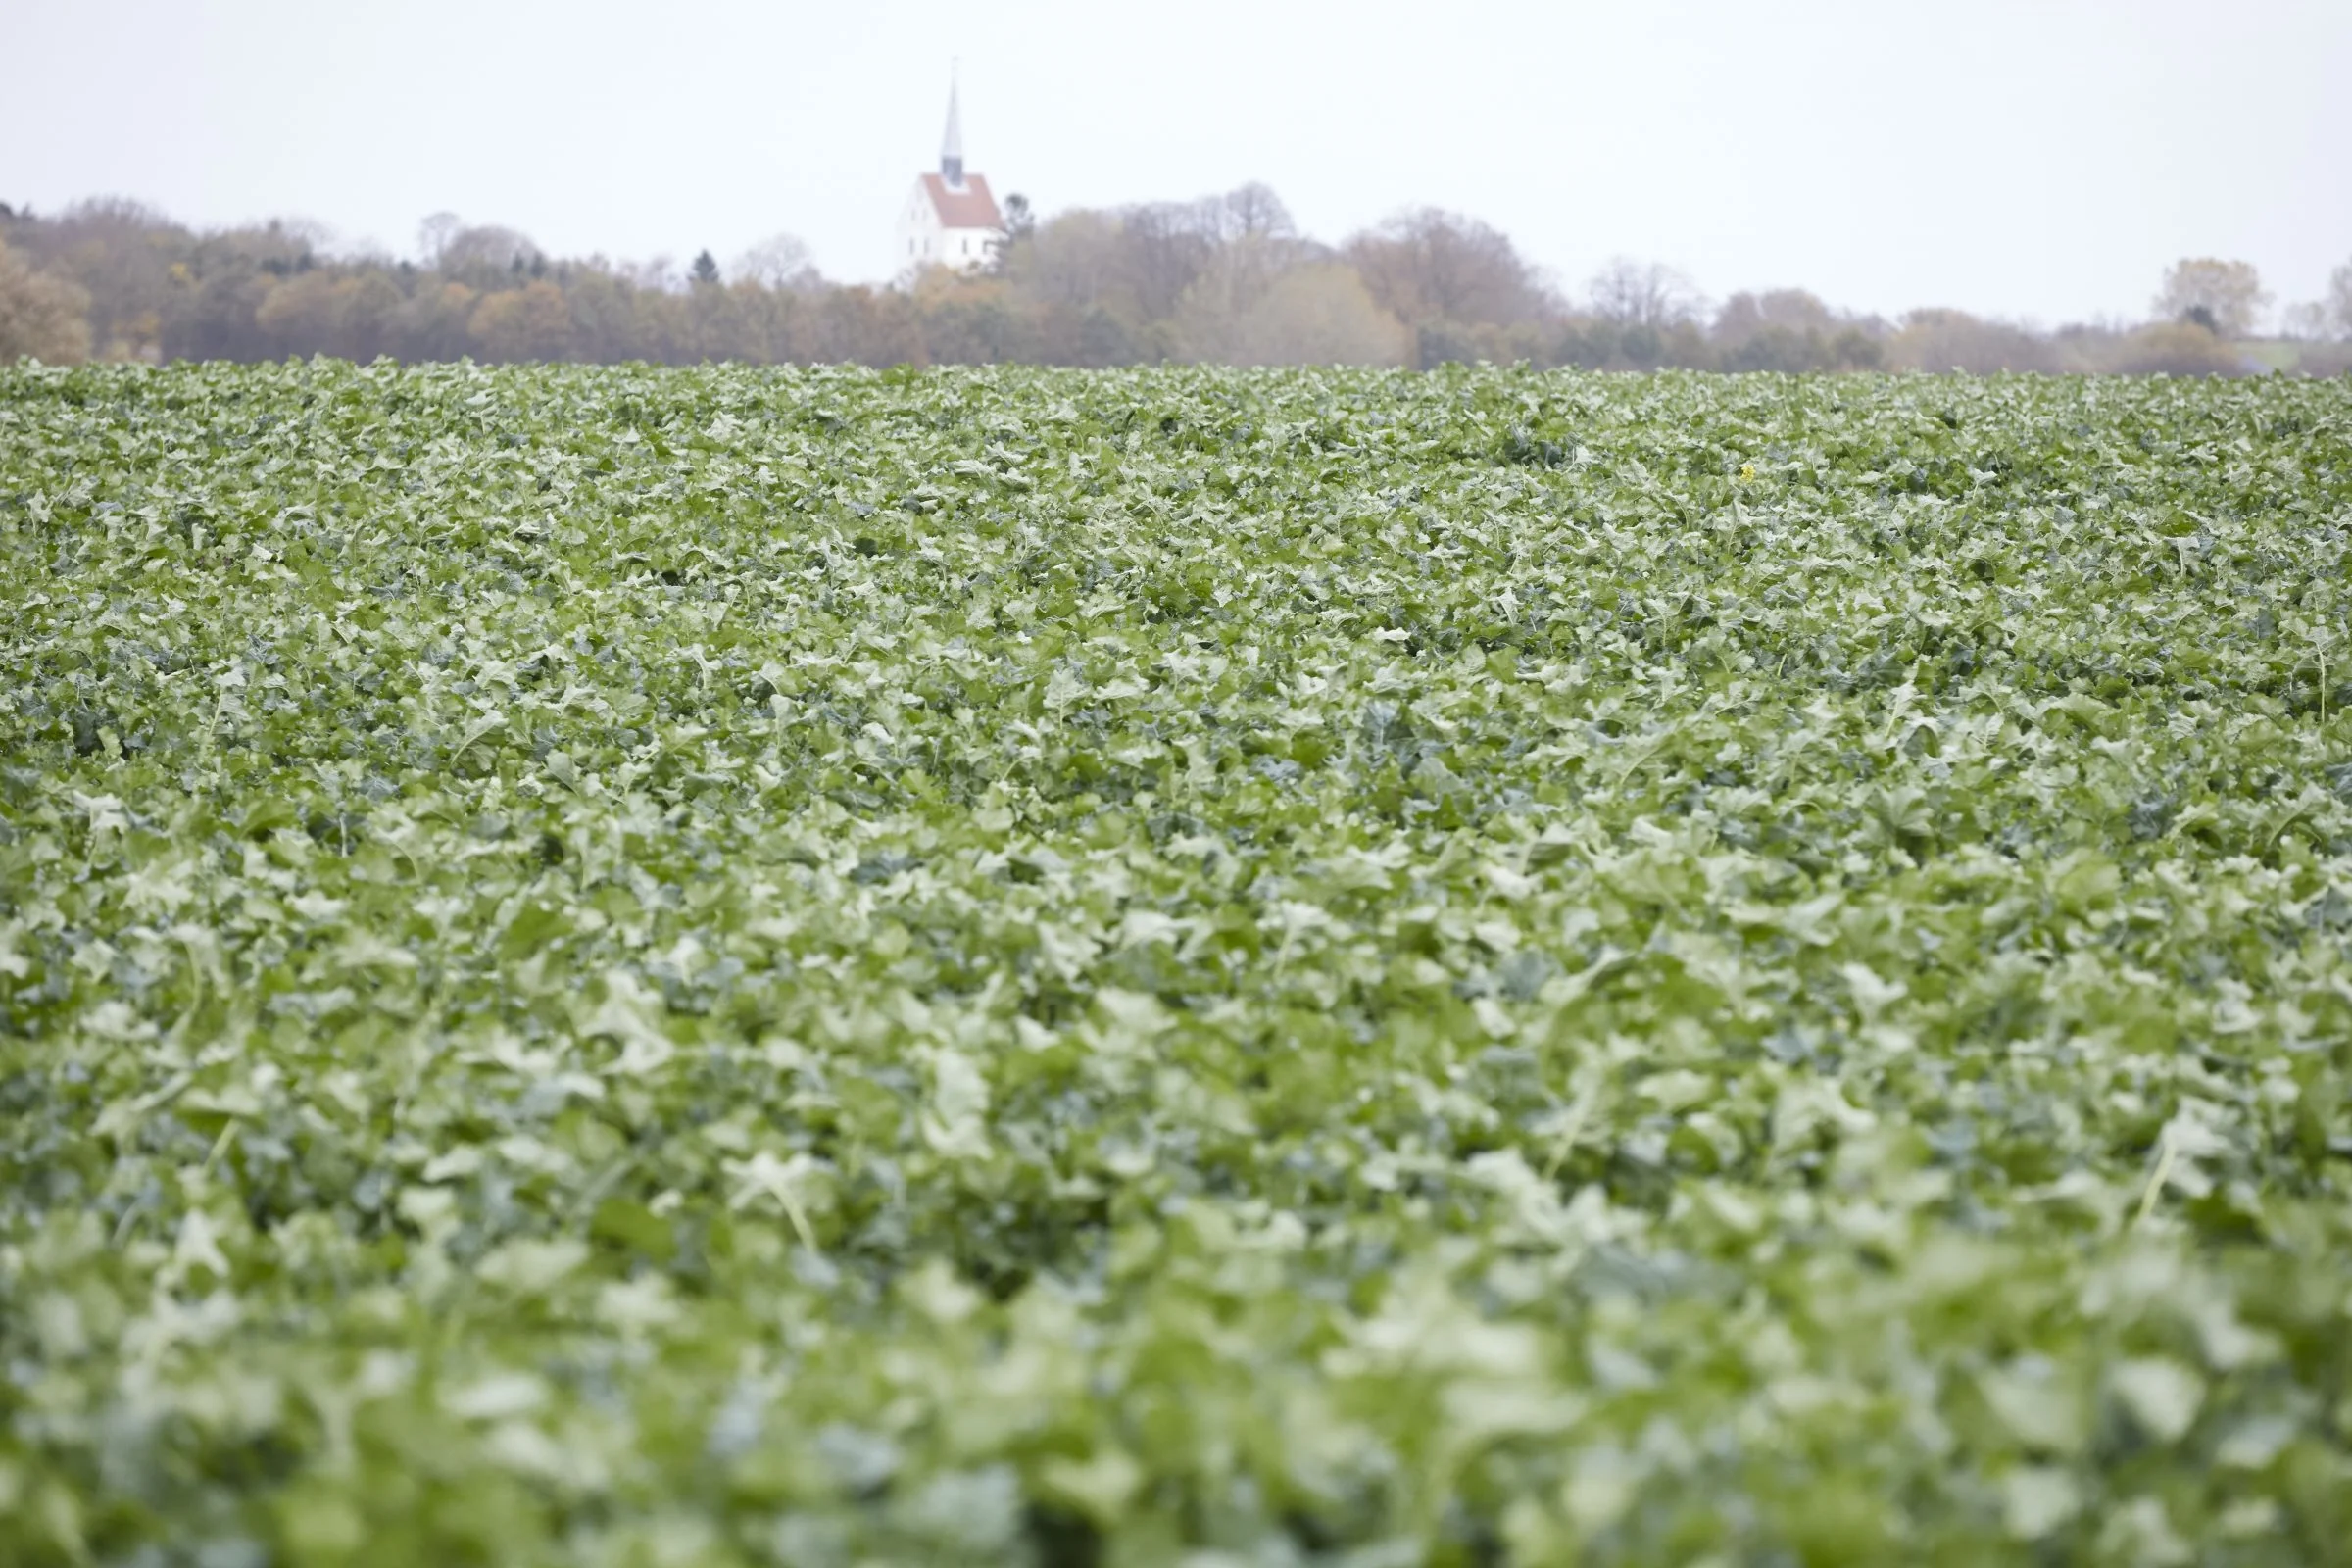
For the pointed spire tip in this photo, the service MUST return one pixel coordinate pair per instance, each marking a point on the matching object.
(950, 147)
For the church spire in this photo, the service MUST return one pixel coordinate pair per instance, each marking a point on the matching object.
(951, 148)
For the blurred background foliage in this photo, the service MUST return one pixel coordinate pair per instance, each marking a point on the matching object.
(1225, 279)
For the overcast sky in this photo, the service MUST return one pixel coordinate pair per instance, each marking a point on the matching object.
(2041, 159)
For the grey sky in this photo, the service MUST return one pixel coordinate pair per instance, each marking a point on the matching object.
(2038, 159)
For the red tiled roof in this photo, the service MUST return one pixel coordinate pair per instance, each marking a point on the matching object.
(967, 207)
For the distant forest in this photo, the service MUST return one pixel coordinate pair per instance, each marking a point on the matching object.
(1226, 280)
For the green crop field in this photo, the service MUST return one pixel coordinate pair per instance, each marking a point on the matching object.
(818, 967)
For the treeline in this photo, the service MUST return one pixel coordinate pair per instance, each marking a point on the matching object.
(1226, 280)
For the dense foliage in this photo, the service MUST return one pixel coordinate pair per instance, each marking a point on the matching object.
(809, 967)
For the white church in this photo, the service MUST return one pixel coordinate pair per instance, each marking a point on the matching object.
(951, 220)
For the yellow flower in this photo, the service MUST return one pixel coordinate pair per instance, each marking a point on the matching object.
(1747, 472)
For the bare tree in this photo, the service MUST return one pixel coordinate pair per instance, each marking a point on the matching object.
(1743, 314)
(779, 261)
(1426, 264)
(1650, 294)
(2308, 320)
(2223, 297)
(2336, 308)
(1254, 212)
(308, 233)
(1165, 246)
(486, 245)
(656, 275)
(433, 236)
(1071, 260)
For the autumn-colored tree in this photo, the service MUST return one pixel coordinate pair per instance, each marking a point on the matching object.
(1316, 313)
(298, 315)
(40, 315)
(2225, 298)
(2168, 348)
(352, 318)
(531, 322)
(121, 255)
(973, 320)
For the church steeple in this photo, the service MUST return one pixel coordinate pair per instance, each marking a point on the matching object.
(952, 219)
(951, 148)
